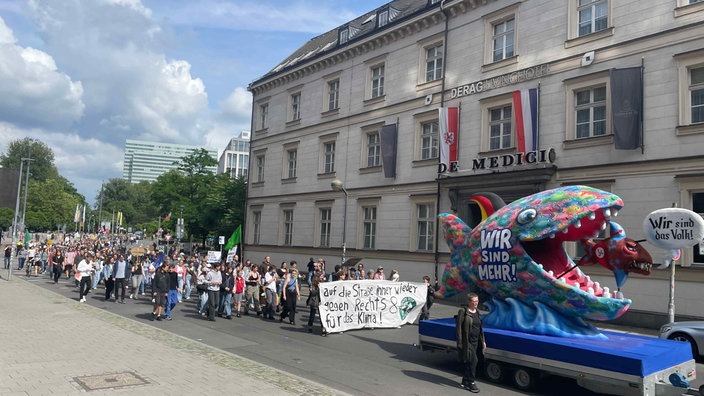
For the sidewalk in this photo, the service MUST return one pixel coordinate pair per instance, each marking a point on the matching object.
(55, 346)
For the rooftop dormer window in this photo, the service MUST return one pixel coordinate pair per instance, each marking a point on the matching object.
(383, 18)
(344, 35)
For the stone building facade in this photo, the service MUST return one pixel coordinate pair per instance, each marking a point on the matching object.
(319, 114)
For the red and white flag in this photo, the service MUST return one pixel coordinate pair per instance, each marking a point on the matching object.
(167, 217)
(525, 109)
(449, 134)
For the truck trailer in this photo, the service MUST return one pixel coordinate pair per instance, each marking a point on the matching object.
(616, 364)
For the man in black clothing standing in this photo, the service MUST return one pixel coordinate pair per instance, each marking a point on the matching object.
(470, 340)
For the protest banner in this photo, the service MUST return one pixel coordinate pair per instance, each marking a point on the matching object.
(231, 254)
(214, 256)
(349, 305)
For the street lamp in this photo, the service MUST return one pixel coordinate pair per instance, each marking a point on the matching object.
(337, 185)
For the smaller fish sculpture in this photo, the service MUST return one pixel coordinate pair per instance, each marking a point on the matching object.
(618, 254)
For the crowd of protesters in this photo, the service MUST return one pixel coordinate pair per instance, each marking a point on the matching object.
(167, 278)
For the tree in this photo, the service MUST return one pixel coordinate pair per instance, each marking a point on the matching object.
(6, 217)
(197, 163)
(42, 165)
(49, 205)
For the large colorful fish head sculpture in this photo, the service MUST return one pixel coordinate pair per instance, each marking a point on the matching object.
(618, 254)
(517, 252)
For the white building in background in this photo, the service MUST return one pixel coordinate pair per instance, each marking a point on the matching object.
(234, 160)
(319, 114)
(145, 160)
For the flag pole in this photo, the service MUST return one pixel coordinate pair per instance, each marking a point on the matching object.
(537, 119)
(642, 104)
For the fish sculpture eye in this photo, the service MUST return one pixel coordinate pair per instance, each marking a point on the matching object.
(526, 216)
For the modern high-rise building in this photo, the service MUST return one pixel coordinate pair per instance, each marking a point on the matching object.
(348, 131)
(148, 160)
(234, 160)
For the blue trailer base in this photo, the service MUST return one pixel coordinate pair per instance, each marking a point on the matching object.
(620, 353)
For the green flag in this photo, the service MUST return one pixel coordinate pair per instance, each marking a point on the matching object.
(235, 238)
(27, 237)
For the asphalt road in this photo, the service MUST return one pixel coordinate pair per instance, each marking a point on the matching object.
(362, 362)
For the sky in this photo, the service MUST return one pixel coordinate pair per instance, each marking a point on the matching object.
(83, 76)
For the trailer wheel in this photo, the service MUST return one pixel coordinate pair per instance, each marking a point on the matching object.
(524, 378)
(701, 389)
(494, 371)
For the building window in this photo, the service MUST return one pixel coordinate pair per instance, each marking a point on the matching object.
(590, 112)
(503, 39)
(690, 82)
(328, 157)
(256, 226)
(288, 227)
(696, 89)
(433, 63)
(334, 95)
(260, 160)
(296, 106)
(500, 127)
(383, 18)
(264, 116)
(429, 144)
(593, 16)
(344, 35)
(369, 226)
(291, 156)
(373, 149)
(325, 226)
(425, 217)
(377, 83)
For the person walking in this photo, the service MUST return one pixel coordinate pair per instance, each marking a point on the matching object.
(8, 255)
(470, 340)
(270, 280)
(291, 295)
(239, 291)
(121, 273)
(161, 291)
(136, 273)
(202, 289)
(172, 294)
(108, 276)
(84, 270)
(429, 299)
(226, 287)
(313, 303)
(213, 279)
(252, 290)
(57, 265)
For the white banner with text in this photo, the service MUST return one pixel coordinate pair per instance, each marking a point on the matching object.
(349, 305)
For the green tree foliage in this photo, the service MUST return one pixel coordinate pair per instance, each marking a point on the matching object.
(42, 165)
(211, 205)
(51, 198)
(49, 206)
(6, 218)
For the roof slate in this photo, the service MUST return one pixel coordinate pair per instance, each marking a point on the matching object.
(360, 27)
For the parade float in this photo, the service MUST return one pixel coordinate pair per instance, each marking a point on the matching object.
(541, 305)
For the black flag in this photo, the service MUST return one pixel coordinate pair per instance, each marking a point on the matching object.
(389, 137)
(627, 107)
